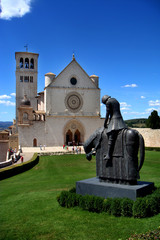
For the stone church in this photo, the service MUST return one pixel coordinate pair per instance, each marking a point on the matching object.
(67, 111)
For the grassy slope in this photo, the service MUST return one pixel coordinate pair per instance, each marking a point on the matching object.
(29, 209)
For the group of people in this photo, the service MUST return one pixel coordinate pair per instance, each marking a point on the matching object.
(44, 147)
(75, 149)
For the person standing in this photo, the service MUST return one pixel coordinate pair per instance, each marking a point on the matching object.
(113, 122)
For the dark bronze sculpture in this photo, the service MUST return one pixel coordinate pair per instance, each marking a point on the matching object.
(116, 148)
(113, 122)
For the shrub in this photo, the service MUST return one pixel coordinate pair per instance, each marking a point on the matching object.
(62, 198)
(141, 208)
(107, 205)
(152, 149)
(151, 206)
(68, 199)
(116, 207)
(72, 190)
(82, 202)
(89, 203)
(98, 204)
(71, 200)
(126, 207)
(156, 196)
(147, 206)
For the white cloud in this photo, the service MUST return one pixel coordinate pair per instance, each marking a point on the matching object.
(133, 85)
(154, 103)
(7, 103)
(142, 97)
(13, 94)
(14, 8)
(138, 113)
(125, 106)
(4, 97)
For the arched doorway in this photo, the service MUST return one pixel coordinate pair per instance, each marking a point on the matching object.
(77, 137)
(34, 142)
(73, 132)
(69, 137)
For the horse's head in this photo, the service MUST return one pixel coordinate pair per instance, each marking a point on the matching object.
(91, 143)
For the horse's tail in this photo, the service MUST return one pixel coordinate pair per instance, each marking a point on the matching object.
(135, 142)
(142, 151)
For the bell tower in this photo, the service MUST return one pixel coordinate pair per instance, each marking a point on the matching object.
(26, 78)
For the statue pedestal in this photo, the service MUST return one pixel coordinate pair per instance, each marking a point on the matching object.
(94, 187)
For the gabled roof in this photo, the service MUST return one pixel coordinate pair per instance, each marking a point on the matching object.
(73, 60)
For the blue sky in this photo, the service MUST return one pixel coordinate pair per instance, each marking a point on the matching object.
(118, 40)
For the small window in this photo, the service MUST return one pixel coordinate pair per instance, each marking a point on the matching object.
(31, 79)
(21, 78)
(26, 79)
(26, 63)
(21, 63)
(32, 63)
(73, 81)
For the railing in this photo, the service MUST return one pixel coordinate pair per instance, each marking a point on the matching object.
(12, 159)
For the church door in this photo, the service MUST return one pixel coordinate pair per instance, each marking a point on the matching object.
(69, 137)
(34, 142)
(77, 136)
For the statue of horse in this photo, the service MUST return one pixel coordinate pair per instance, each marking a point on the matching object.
(124, 166)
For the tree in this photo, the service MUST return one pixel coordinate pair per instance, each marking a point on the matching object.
(153, 120)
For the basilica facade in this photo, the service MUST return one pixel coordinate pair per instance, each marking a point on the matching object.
(67, 111)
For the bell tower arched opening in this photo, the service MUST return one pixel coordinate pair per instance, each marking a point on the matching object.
(21, 63)
(26, 63)
(32, 63)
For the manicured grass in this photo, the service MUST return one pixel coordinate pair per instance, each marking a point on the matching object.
(29, 210)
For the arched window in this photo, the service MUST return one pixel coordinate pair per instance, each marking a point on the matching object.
(26, 63)
(21, 63)
(32, 63)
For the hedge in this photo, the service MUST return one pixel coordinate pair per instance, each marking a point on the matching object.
(152, 149)
(19, 168)
(143, 207)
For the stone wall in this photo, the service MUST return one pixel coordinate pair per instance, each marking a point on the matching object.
(4, 145)
(151, 136)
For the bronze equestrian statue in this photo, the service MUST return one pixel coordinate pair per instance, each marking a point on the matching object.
(116, 147)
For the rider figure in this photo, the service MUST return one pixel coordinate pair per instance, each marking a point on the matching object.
(113, 122)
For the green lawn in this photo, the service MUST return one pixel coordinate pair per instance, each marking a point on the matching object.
(29, 210)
